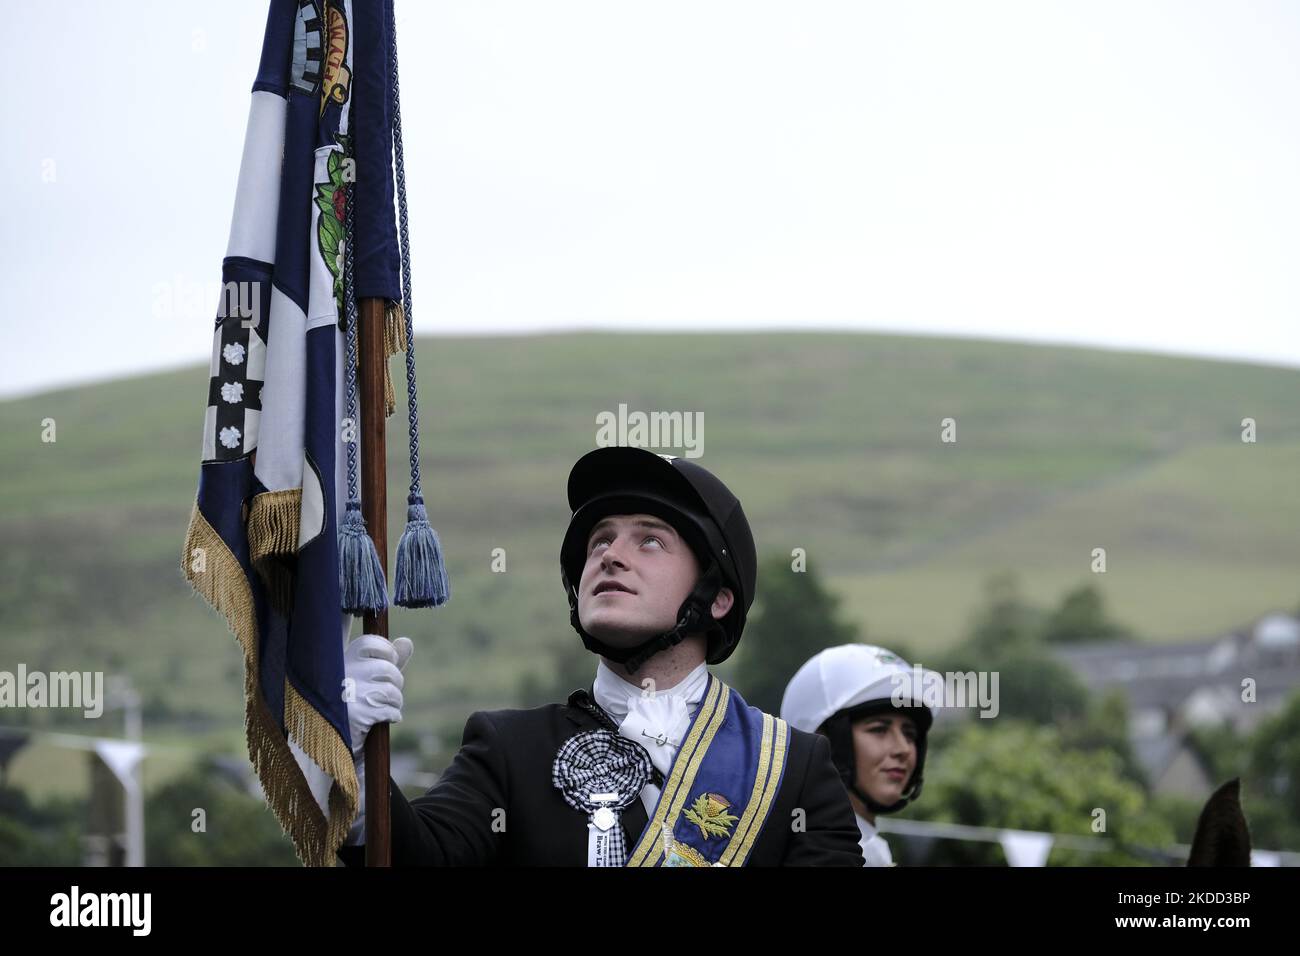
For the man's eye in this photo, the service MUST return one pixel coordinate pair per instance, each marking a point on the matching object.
(605, 539)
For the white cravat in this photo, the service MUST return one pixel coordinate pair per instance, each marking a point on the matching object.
(657, 721)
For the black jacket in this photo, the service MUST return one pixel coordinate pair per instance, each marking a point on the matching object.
(496, 805)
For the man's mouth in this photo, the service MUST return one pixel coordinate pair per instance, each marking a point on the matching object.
(606, 586)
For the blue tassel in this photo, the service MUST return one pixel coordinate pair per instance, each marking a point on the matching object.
(361, 576)
(421, 574)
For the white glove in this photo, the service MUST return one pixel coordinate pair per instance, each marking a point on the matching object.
(375, 668)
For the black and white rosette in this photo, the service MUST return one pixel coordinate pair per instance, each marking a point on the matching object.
(600, 773)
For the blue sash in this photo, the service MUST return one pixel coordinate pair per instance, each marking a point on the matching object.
(721, 787)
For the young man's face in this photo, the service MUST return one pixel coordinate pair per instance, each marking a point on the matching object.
(638, 573)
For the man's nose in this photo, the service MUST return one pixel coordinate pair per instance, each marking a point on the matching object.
(610, 557)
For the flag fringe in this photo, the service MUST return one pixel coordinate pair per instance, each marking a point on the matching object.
(320, 741)
(273, 522)
(223, 585)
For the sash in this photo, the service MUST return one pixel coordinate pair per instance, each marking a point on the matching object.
(720, 788)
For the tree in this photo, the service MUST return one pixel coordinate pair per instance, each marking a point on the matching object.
(793, 618)
(572, 667)
(1104, 726)
(1005, 637)
(1018, 776)
(1082, 618)
(1223, 751)
(1006, 623)
(1030, 685)
(1275, 762)
(45, 835)
(238, 830)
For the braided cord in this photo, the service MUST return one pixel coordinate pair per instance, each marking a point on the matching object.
(412, 412)
(350, 311)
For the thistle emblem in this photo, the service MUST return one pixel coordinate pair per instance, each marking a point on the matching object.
(709, 813)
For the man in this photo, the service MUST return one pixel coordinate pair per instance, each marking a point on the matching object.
(660, 763)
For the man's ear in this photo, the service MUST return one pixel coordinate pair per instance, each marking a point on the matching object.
(722, 603)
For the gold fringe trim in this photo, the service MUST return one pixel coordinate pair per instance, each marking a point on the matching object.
(317, 737)
(316, 840)
(273, 522)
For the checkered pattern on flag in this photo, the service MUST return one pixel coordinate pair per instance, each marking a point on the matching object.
(262, 545)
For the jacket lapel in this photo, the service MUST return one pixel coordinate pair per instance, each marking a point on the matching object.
(634, 821)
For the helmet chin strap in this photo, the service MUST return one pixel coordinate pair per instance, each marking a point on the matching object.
(694, 616)
(877, 807)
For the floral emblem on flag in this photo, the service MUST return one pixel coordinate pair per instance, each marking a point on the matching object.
(331, 199)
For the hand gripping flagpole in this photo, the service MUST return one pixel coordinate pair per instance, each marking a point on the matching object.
(363, 557)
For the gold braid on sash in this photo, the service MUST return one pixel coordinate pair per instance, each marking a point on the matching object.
(685, 767)
(766, 782)
(773, 749)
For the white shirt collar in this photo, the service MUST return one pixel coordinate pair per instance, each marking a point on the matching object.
(616, 695)
(656, 719)
(875, 851)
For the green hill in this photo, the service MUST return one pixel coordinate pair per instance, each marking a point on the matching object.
(831, 440)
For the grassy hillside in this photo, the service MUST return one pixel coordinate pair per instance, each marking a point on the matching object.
(831, 440)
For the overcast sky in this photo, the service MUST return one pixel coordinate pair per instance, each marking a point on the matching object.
(1124, 174)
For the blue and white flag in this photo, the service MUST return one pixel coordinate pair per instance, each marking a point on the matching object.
(262, 545)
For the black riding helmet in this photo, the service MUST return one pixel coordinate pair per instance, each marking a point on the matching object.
(623, 480)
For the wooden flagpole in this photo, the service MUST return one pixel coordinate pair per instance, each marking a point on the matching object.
(374, 508)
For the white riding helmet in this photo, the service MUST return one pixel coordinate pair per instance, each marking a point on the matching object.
(841, 684)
